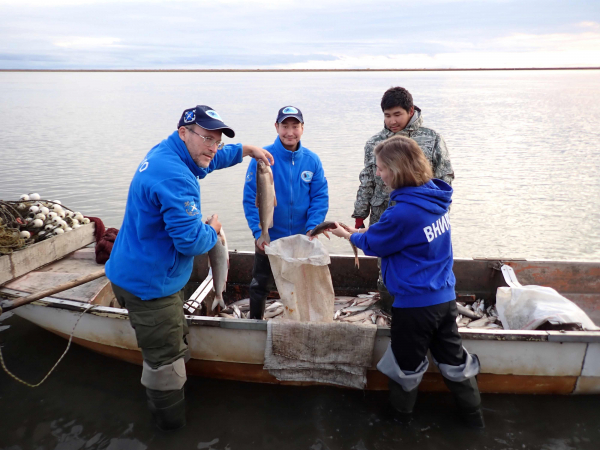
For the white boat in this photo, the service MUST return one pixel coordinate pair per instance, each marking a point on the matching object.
(523, 362)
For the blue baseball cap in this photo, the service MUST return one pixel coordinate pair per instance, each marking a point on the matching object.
(289, 111)
(205, 117)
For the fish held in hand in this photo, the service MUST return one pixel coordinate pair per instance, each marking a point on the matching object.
(266, 201)
(323, 228)
(218, 259)
(354, 249)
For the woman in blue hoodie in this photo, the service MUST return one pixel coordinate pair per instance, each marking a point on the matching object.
(413, 241)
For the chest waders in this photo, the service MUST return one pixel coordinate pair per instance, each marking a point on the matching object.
(160, 329)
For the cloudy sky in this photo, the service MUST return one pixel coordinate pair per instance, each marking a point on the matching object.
(298, 34)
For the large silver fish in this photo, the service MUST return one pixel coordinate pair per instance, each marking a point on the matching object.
(265, 200)
(218, 259)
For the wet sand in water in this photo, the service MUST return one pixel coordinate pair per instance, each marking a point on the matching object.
(95, 402)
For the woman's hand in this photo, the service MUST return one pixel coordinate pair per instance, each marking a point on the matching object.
(353, 230)
(340, 232)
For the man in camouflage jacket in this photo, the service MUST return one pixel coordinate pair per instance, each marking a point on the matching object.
(401, 118)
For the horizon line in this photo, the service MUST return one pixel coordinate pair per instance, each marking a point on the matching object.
(302, 70)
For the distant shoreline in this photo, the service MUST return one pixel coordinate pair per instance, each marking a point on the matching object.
(300, 70)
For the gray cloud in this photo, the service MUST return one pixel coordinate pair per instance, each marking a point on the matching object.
(141, 35)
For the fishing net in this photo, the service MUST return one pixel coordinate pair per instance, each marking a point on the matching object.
(301, 272)
(10, 221)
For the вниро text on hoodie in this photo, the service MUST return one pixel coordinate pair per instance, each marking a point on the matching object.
(414, 243)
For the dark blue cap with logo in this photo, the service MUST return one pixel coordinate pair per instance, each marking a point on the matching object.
(205, 117)
(289, 111)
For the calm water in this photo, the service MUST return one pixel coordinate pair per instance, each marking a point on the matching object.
(95, 402)
(524, 146)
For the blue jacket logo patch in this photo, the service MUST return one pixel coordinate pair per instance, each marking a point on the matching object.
(306, 176)
(249, 177)
(191, 209)
(143, 166)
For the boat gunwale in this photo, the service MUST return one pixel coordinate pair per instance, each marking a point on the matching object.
(261, 325)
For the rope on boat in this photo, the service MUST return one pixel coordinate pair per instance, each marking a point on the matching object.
(89, 307)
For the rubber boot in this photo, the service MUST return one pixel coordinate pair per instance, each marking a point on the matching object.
(257, 307)
(468, 400)
(403, 402)
(386, 300)
(167, 408)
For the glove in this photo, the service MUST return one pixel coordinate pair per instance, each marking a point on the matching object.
(359, 223)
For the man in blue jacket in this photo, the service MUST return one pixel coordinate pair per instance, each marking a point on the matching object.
(302, 199)
(152, 257)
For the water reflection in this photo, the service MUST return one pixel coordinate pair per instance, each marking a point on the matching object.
(523, 144)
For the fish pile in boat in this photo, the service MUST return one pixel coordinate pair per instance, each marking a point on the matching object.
(241, 309)
(32, 219)
(363, 308)
(359, 309)
(477, 315)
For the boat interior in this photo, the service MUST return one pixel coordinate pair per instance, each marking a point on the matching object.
(476, 279)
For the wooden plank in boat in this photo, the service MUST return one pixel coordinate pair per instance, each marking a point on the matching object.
(38, 281)
(37, 255)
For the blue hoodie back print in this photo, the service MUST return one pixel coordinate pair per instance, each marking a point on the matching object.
(413, 238)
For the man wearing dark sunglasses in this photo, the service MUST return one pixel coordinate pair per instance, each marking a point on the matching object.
(152, 257)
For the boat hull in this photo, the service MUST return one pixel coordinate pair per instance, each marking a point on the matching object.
(536, 362)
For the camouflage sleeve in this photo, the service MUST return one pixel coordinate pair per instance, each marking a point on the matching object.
(442, 167)
(367, 185)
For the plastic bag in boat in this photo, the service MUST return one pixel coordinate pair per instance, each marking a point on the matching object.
(530, 307)
(301, 272)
